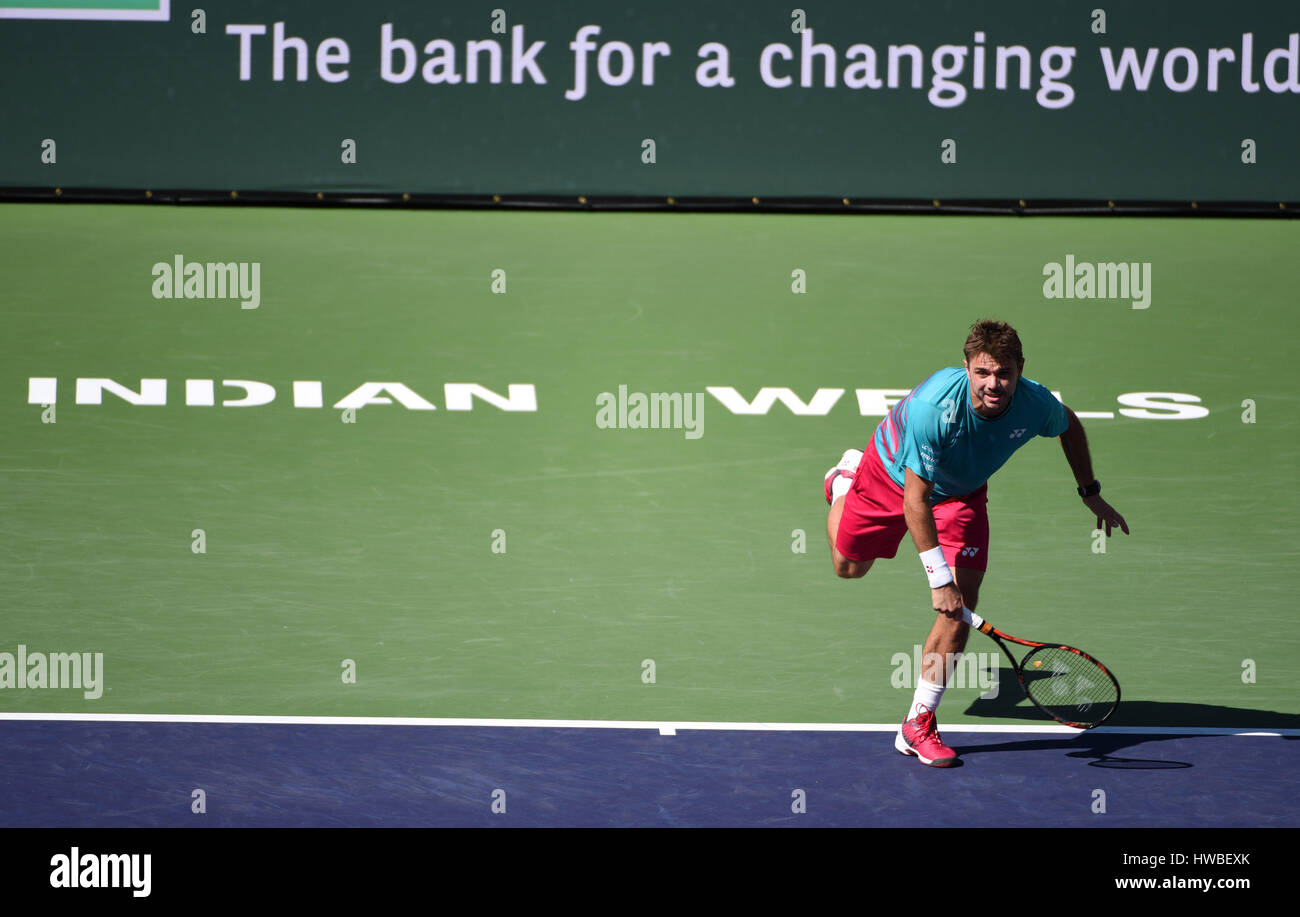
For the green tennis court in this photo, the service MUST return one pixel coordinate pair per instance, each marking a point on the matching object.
(503, 562)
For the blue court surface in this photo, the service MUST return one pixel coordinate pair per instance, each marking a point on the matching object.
(146, 774)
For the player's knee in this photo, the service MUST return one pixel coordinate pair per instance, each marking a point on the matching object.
(850, 569)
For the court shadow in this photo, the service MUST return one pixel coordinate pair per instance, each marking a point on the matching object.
(1099, 748)
(1011, 704)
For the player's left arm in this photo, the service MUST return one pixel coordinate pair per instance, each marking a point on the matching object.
(1074, 442)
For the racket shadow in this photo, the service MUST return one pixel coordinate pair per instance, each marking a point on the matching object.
(1100, 749)
(1011, 704)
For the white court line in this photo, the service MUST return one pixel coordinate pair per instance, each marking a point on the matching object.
(161, 14)
(663, 727)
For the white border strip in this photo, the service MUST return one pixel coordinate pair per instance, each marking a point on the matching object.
(162, 14)
(663, 727)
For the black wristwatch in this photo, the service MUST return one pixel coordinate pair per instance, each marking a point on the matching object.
(1090, 490)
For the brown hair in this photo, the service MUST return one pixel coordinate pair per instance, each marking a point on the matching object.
(997, 339)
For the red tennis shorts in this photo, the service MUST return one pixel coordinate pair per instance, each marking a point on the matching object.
(873, 525)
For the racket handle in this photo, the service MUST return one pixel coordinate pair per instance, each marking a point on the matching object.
(971, 618)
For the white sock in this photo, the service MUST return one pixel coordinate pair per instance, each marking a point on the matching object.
(928, 695)
(840, 486)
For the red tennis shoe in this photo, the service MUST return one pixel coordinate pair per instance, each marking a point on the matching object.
(919, 736)
(847, 468)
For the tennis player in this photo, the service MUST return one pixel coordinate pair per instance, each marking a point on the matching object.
(926, 472)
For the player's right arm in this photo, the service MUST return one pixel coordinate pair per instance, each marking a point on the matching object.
(925, 535)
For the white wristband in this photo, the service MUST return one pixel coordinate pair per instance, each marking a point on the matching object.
(936, 568)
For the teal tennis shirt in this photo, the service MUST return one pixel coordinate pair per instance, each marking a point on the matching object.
(935, 432)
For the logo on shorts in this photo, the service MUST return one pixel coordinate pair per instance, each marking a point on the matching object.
(969, 552)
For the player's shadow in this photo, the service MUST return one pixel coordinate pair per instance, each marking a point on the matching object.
(1011, 704)
(1098, 747)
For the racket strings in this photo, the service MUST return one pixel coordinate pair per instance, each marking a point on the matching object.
(1069, 686)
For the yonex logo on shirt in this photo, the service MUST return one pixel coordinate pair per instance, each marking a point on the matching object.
(1016, 434)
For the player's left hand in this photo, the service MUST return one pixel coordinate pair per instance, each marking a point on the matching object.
(1106, 514)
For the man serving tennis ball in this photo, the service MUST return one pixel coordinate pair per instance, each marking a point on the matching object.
(926, 472)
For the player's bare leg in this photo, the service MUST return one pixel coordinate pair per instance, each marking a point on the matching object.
(919, 734)
(836, 486)
(948, 635)
(849, 569)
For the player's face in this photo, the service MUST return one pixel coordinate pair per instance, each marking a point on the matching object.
(991, 384)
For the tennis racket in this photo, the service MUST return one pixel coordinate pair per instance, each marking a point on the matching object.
(1065, 683)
